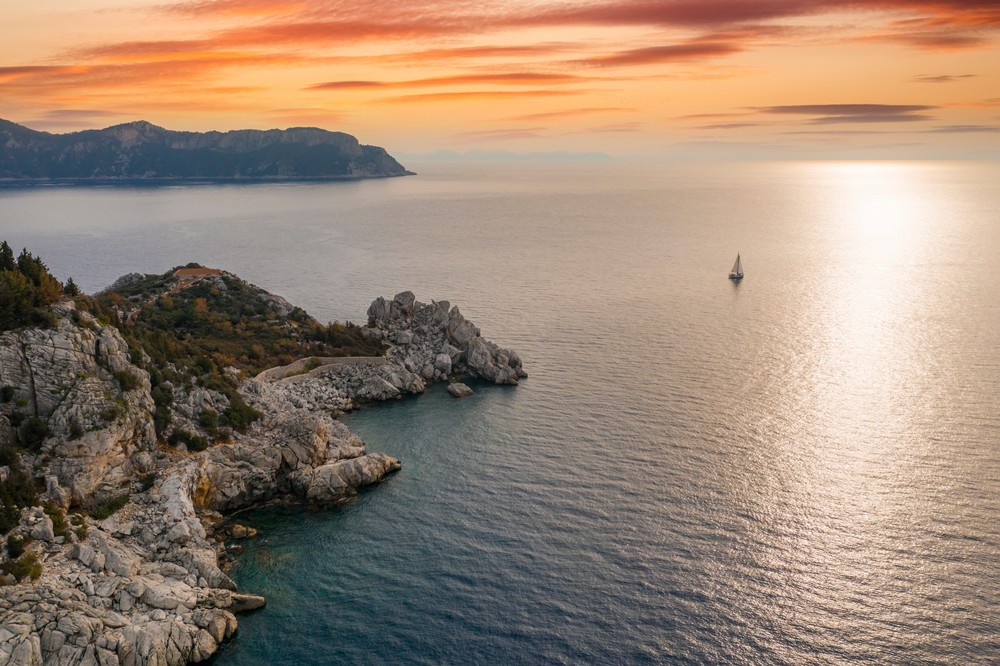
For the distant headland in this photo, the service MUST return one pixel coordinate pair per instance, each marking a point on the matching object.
(141, 151)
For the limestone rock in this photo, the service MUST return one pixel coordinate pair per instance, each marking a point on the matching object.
(67, 375)
(442, 363)
(459, 390)
(246, 602)
(43, 529)
(337, 481)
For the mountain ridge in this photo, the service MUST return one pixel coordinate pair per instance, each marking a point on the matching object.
(141, 150)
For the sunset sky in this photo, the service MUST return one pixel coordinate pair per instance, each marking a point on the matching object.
(718, 78)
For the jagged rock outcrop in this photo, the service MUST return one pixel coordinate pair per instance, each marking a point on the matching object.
(145, 585)
(440, 342)
(143, 150)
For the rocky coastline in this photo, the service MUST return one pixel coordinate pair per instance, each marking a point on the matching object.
(146, 584)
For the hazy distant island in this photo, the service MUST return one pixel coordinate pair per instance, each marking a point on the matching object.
(143, 151)
(133, 423)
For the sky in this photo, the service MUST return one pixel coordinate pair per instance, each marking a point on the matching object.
(810, 79)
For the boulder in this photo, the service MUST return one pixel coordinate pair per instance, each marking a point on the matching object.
(459, 390)
(246, 602)
(339, 480)
(402, 305)
(501, 366)
(442, 364)
(43, 529)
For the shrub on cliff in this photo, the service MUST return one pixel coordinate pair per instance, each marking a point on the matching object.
(26, 566)
(16, 492)
(108, 507)
(33, 432)
(16, 545)
(191, 441)
(127, 381)
(239, 415)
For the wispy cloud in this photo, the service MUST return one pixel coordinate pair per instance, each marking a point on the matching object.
(573, 113)
(727, 126)
(941, 78)
(613, 128)
(964, 129)
(478, 95)
(652, 55)
(853, 113)
(500, 78)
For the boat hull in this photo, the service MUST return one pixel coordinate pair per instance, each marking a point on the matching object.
(736, 276)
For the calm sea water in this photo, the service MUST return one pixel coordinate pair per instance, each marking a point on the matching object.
(802, 468)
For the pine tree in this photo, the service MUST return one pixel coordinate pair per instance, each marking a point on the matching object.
(7, 262)
(71, 289)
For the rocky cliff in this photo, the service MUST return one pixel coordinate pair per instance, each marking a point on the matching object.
(141, 150)
(139, 580)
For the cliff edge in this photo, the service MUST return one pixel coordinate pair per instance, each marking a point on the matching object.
(140, 439)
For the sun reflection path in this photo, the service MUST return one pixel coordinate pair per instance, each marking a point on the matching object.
(854, 432)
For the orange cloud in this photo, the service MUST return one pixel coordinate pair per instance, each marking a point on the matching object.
(504, 78)
(253, 8)
(854, 113)
(930, 23)
(652, 55)
(941, 78)
(573, 113)
(479, 94)
(181, 71)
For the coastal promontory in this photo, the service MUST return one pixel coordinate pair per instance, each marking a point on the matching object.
(135, 422)
(143, 151)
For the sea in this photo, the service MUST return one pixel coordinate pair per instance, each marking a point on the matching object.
(799, 468)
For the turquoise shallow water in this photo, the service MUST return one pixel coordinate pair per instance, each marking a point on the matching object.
(803, 468)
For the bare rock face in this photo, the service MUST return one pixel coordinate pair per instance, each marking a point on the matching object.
(95, 403)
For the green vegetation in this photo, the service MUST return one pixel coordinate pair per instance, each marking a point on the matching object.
(145, 483)
(190, 337)
(26, 566)
(126, 380)
(239, 415)
(33, 432)
(16, 545)
(27, 289)
(108, 507)
(191, 441)
(222, 322)
(78, 525)
(60, 526)
(17, 492)
(70, 288)
(163, 397)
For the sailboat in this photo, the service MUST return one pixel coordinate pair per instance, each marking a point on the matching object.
(737, 272)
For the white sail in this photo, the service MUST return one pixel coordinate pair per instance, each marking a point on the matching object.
(737, 267)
